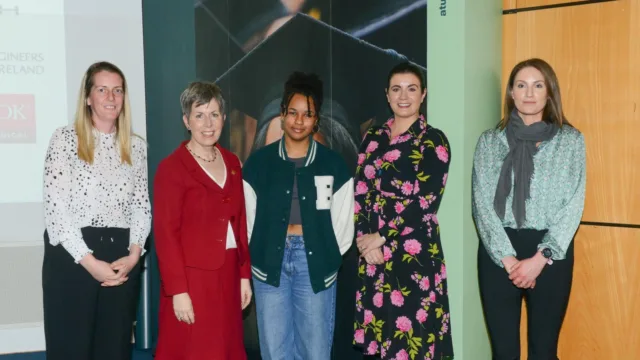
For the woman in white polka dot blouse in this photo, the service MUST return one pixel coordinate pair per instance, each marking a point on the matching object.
(98, 217)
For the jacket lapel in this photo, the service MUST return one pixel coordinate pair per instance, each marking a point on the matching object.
(194, 169)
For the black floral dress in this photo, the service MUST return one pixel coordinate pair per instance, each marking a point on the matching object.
(402, 309)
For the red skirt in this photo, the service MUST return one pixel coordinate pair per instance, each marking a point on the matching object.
(217, 332)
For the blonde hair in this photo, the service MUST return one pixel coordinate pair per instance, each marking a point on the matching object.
(83, 123)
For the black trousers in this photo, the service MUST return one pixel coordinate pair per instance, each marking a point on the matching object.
(546, 303)
(83, 320)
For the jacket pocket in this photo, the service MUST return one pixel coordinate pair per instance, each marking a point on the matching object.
(324, 191)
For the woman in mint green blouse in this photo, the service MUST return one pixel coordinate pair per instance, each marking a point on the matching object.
(528, 183)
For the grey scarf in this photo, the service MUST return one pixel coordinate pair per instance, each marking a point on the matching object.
(522, 141)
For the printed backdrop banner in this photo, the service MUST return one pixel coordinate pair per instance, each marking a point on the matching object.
(249, 47)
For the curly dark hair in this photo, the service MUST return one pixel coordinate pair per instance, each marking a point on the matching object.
(306, 84)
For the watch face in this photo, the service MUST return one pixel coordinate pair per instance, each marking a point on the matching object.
(546, 253)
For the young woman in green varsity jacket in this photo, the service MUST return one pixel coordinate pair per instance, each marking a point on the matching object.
(299, 202)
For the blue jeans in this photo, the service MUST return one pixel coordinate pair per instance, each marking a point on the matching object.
(293, 322)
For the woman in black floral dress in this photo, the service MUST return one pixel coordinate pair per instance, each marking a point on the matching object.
(402, 307)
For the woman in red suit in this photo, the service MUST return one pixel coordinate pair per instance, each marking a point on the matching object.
(201, 238)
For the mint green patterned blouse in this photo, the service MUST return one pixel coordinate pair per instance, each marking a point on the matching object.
(557, 192)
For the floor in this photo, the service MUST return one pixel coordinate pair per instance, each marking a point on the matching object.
(137, 355)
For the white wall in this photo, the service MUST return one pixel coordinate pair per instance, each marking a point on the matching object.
(45, 47)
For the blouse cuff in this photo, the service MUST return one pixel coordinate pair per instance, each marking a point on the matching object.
(497, 256)
(549, 242)
(77, 249)
(139, 245)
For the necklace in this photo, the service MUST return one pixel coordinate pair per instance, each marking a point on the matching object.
(215, 155)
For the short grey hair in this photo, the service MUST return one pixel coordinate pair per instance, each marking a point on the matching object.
(200, 93)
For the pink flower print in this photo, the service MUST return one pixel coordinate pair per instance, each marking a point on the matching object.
(381, 277)
(442, 153)
(404, 138)
(377, 300)
(432, 349)
(359, 337)
(376, 207)
(378, 163)
(392, 155)
(421, 316)
(402, 355)
(399, 207)
(424, 204)
(383, 353)
(386, 193)
(407, 230)
(368, 316)
(373, 348)
(438, 279)
(412, 247)
(361, 188)
(407, 188)
(416, 187)
(403, 323)
(380, 223)
(392, 225)
(369, 172)
(432, 296)
(371, 147)
(386, 253)
(445, 328)
(443, 271)
(371, 270)
(356, 208)
(396, 298)
(361, 158)
(434, 218)
(444, 179)
(400, 139)
(358, 296)
(424, 283)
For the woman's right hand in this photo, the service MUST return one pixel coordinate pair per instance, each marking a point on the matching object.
(509, 262)
(183, 308)
(100, 270)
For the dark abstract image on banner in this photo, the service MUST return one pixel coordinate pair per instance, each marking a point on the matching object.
(249, 47)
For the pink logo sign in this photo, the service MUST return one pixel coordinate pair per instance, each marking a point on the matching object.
(17, 118)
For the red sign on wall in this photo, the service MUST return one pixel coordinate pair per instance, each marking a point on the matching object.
(17, 118)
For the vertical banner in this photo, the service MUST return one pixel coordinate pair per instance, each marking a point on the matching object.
(249, 47)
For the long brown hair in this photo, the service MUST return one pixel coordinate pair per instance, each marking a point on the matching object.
(552, 112)
(83, 123)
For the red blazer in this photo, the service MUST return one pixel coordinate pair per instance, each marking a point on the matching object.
(190, 218)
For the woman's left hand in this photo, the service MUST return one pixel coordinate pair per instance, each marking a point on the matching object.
(245, 292)
(369, 242)
(524, 273)
(122, 267)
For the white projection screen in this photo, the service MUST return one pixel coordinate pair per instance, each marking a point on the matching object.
(45, 48)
